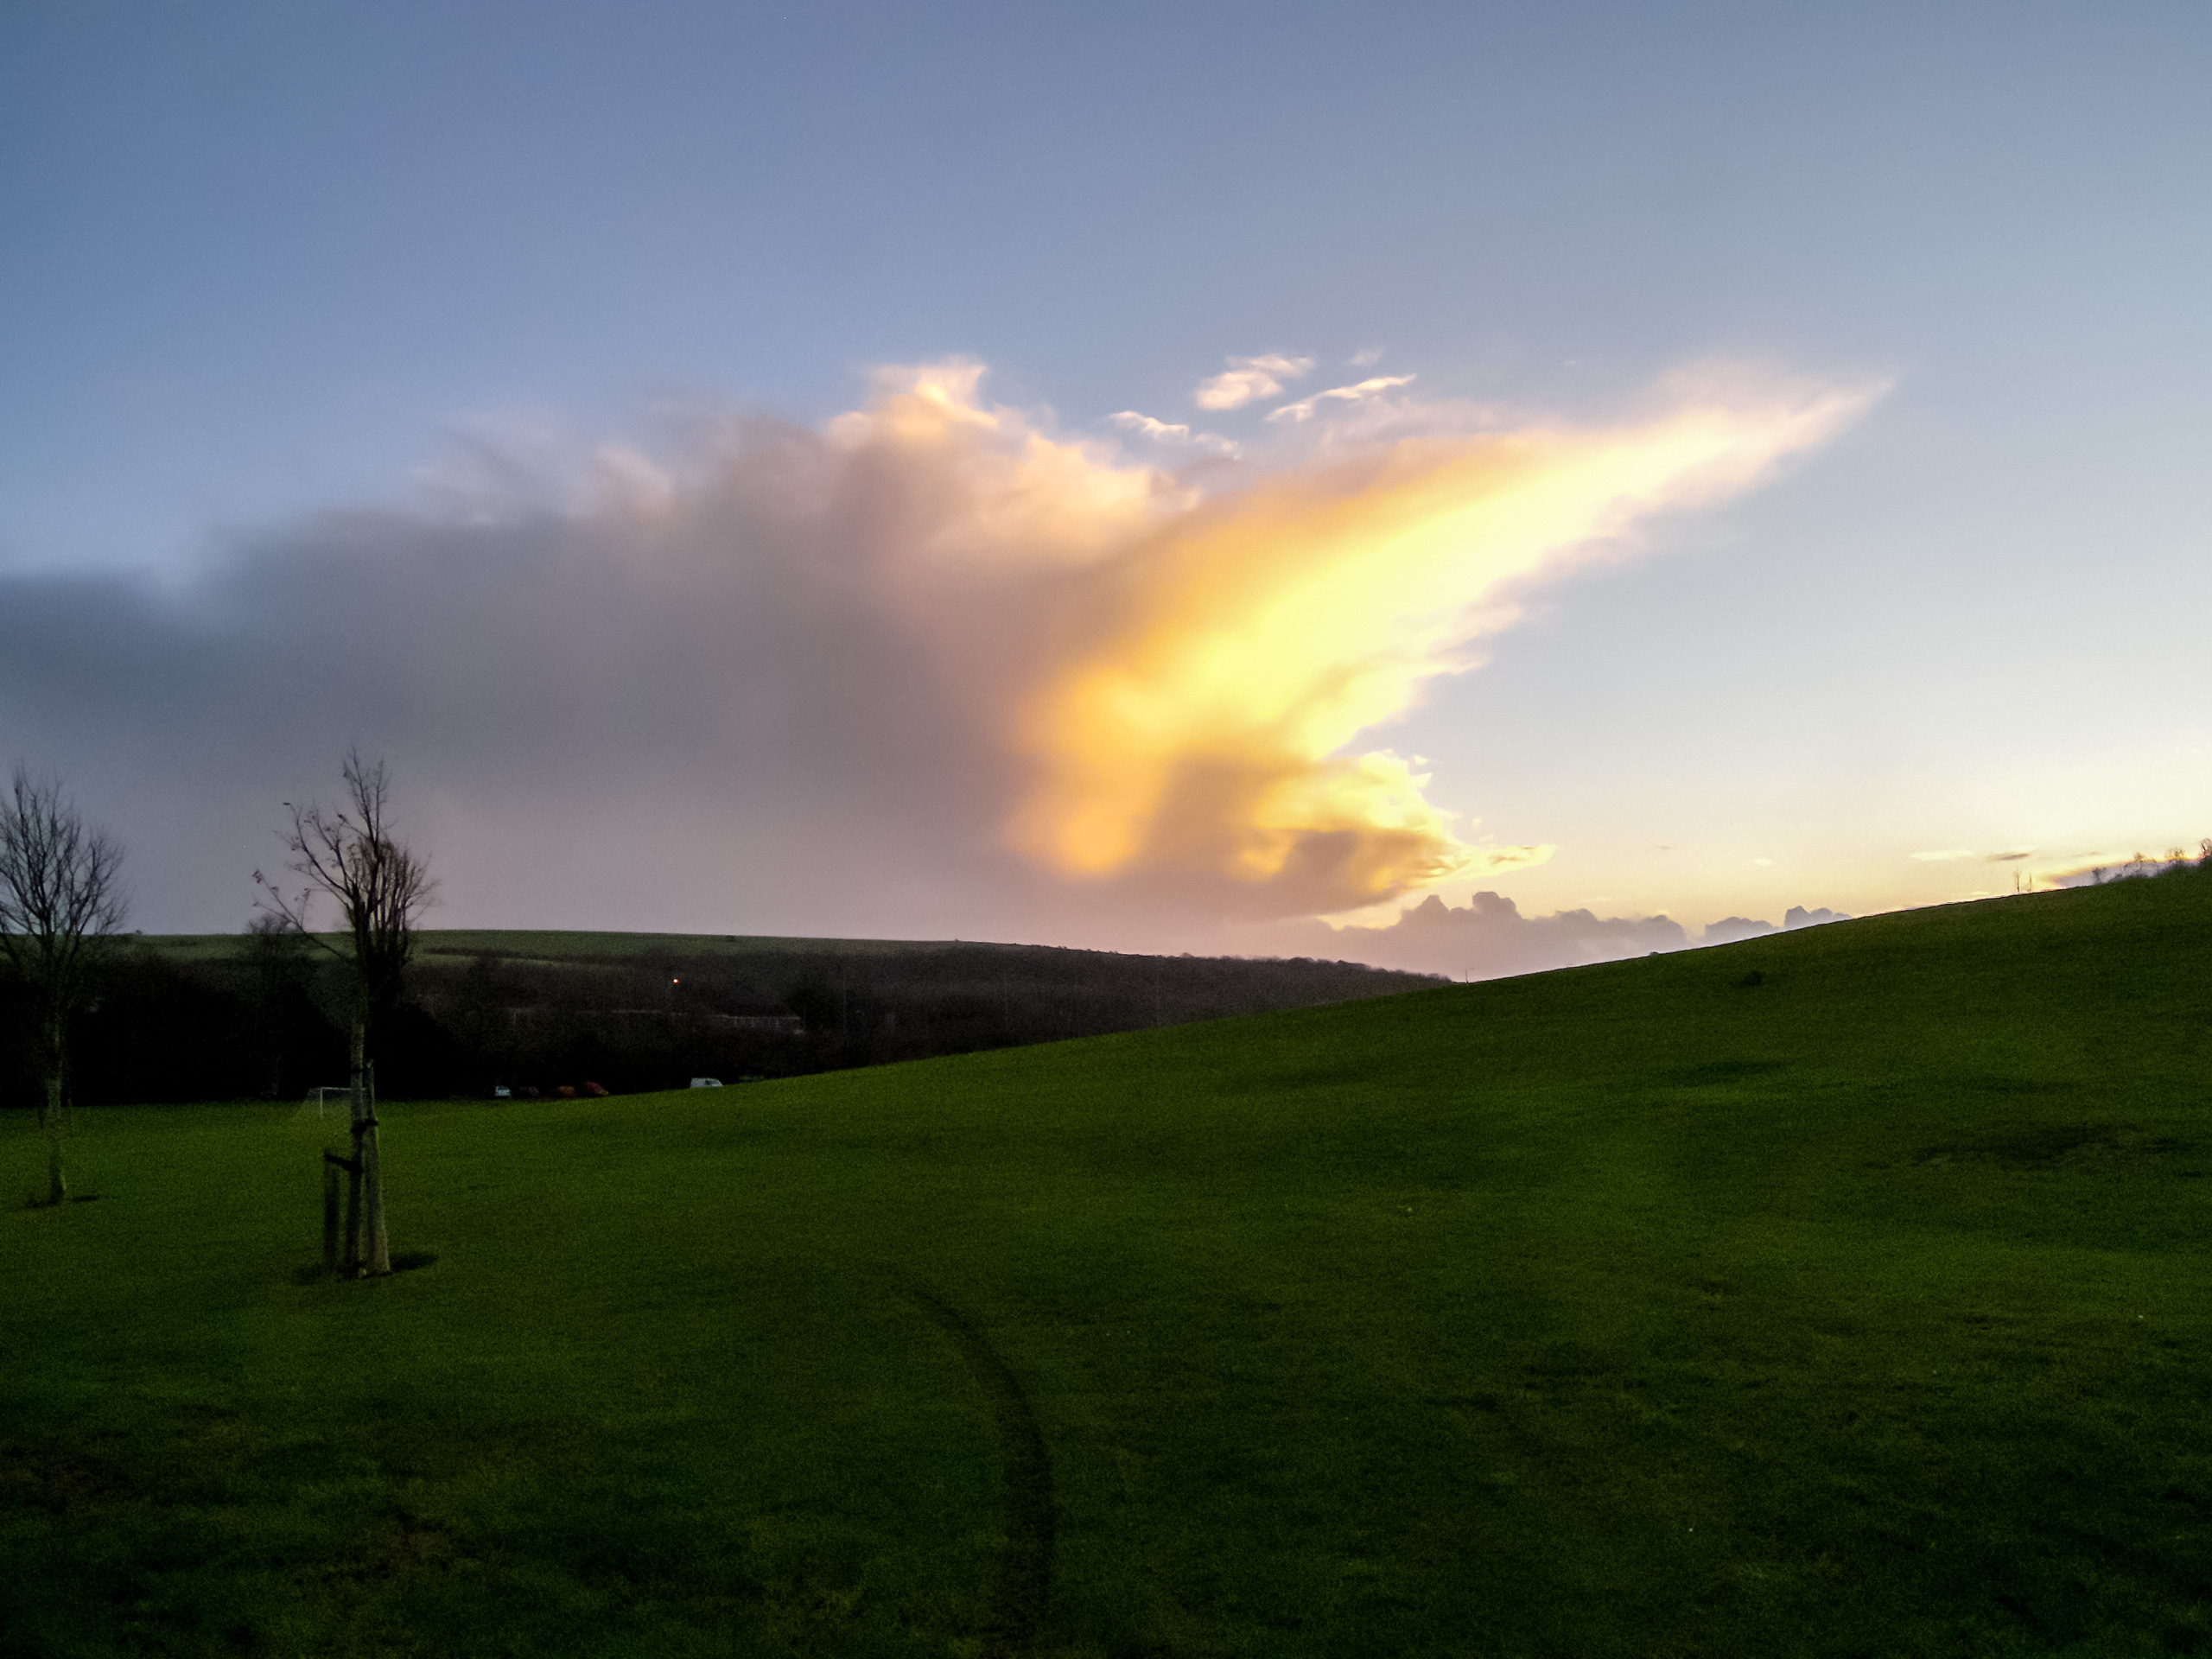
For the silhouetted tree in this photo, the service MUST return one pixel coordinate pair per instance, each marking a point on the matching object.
(60, 901)
(274, 949)
(380, 887)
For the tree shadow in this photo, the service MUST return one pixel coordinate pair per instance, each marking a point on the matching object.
(402, 1262)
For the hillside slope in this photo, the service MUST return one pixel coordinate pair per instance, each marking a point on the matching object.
(1842, 1292)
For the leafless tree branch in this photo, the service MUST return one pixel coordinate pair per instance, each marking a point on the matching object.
(351, 855)
(61, 898)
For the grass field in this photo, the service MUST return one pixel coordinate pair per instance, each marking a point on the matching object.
(1839, 1292)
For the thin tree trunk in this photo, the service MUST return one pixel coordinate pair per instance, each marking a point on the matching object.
(49, 1119)
(330, 1235)
(351, 1267)
(379, 1255)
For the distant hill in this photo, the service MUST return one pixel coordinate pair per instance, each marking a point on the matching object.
(209, 1016)
(574, 944)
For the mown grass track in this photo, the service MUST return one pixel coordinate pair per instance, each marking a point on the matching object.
(1865, 1309)
(1021, 1590)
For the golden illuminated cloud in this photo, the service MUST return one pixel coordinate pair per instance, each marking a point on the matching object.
(1182, 679)
(938, 661)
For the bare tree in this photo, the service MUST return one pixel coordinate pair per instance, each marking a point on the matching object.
(60, 901)
(274, 949)
(351, 855)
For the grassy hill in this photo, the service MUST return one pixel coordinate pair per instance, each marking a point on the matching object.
(1843, 1292)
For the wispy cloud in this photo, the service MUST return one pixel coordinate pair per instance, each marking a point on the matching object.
(1170, 432)
(1303, 410)
(1367, 358)
(1250, 377)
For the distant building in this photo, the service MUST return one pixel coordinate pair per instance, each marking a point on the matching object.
(788, 1025)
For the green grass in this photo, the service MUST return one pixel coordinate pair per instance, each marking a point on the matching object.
(1632, 1310)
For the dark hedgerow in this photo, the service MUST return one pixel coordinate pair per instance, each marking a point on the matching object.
(238, 1017)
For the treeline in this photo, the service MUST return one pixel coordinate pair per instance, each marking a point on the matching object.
(264, 1016)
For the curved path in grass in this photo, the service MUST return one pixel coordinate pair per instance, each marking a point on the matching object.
(1023, 1585)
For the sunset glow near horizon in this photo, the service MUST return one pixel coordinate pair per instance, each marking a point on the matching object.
(1210, 661)
(1698, 465)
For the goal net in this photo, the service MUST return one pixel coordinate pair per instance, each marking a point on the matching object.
(330, 1097)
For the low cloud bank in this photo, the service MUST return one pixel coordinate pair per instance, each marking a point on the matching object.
(1744, 927)
(1487, 938)
(933, 669)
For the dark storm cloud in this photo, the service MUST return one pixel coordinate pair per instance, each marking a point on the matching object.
(698, 713)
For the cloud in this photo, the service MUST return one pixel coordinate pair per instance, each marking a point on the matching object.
(1363, 393)
(1486, 938)
(1734, 928)
(1745, 927)
(1170, 432)
(2009, 858)
(1250, 378)
(1797, 915)
(932, 668)
(1146, 426)
(1366, 359)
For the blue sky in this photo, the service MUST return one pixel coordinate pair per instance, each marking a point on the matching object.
(267, 261)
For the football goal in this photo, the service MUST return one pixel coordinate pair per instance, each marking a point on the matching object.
(319, 1101)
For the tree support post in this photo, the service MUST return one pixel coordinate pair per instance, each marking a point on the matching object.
(376, 1257)
(368, 1246)
(57, 1179)
(49, 1115)
(332, 1163)
(349, 1265)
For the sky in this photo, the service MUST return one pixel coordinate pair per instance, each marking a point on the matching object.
(1477, 487)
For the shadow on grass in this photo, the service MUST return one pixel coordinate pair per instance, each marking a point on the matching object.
(407, 1546)
(56, 1478)
(402, 1262)
(1719, 1072)
(2050, 1145)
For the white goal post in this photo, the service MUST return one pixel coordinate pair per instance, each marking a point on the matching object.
(318, 1099)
